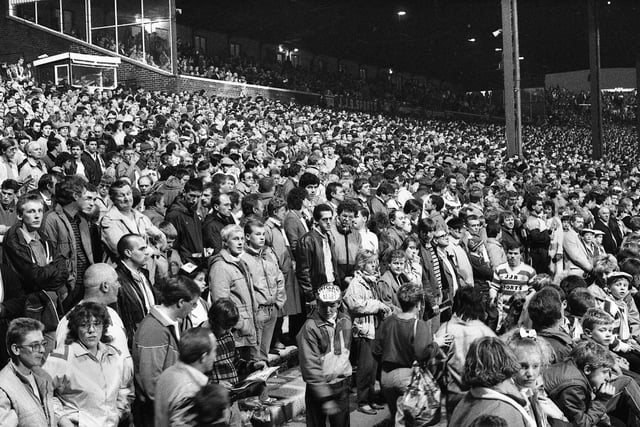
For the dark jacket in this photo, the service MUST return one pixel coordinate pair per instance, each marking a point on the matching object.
(568, 387)
(609, 241)
(310, 264)
(131, 307)
(187, 223)
(44, 286)
(560, 341)
(92, 168)
(213, 225)
(12, 305)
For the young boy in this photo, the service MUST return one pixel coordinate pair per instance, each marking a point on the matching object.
(392, 279)
(580, 385)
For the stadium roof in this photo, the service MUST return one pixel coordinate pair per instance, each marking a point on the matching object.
(433, 38)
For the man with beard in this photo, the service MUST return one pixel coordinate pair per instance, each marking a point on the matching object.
(183, 214)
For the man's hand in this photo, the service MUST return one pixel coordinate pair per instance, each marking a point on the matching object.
(258, 366)
(606, 390)
(330, 407)
(226, 384)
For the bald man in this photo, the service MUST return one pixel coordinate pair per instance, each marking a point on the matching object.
(101, 285)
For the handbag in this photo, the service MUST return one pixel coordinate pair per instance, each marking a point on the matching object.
(420, 404)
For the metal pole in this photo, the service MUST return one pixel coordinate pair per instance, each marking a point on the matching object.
(516, 71)
(594, 63)
(511, 111)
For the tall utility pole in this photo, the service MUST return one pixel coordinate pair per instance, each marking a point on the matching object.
(594, 64)
(511, 62)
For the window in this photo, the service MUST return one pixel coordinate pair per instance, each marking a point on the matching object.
(62, 74)
(234, 49)
(363, 73)
(139, 29)
(280, 57)
(341, 67)
(200, 43)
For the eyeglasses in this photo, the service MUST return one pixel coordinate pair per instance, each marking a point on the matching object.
(36, 346)
(87, 325)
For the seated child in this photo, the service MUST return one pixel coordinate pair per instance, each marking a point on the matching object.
(580, 385)
(533, 356)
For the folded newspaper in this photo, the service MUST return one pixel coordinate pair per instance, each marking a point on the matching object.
(256, 377)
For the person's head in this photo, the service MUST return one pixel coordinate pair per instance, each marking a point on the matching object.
(233, 239)
(73, 190)
(8, 191)
(88, 324)
(198, 348)
(467, 304)
(397, 259)
(322, 215)
(30, 210)
(618, 284)
(101, 283)
(254, 233)
(25, 342)
(155, 200)
(489, 421)
(367, 261)
(221, 203)
(411, 248)
(362, 187)
(545, 308)
(397, 218)
(579, 301)
(514, 254)
(132, 249)
(335, 192)
(105, 185)
(121, 195)
(532, 355)
(277, 208)
(385, 191)
(346, 212)
(181, 294)
(594, 360)
(441, 236)
(34, 150)
(571, 282)
(309, 182)
(361, 218)
(328, 298)
(210, 405)
(193, 193)
(223, 315)
(145, 183)
(296, 198)
(598, 325)
(508, 220)
(252, 205)
(410, 297)
(488, 363)
(577, 222)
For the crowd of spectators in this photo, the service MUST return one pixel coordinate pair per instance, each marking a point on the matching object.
(162, 239)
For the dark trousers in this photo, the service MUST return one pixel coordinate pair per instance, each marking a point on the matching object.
(540, 260)
(366, 371)
(317, 418)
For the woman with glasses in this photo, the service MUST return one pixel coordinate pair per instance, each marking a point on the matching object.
(92, 383)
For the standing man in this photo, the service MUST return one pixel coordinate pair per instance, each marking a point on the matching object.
(26, 391)
(335, 195)
(324, 343)
(219, 217)
(295, 224)
(267, 281)
(92, 162)
(179, 383)
(538, 236)
(32, 168)
(316, 263)
(136, 296)
(41, 268)
(68, 229)
(155, 345)
(576, 258)
(229, 278)
(183, 214)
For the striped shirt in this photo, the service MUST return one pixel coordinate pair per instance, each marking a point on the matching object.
(507, 281)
